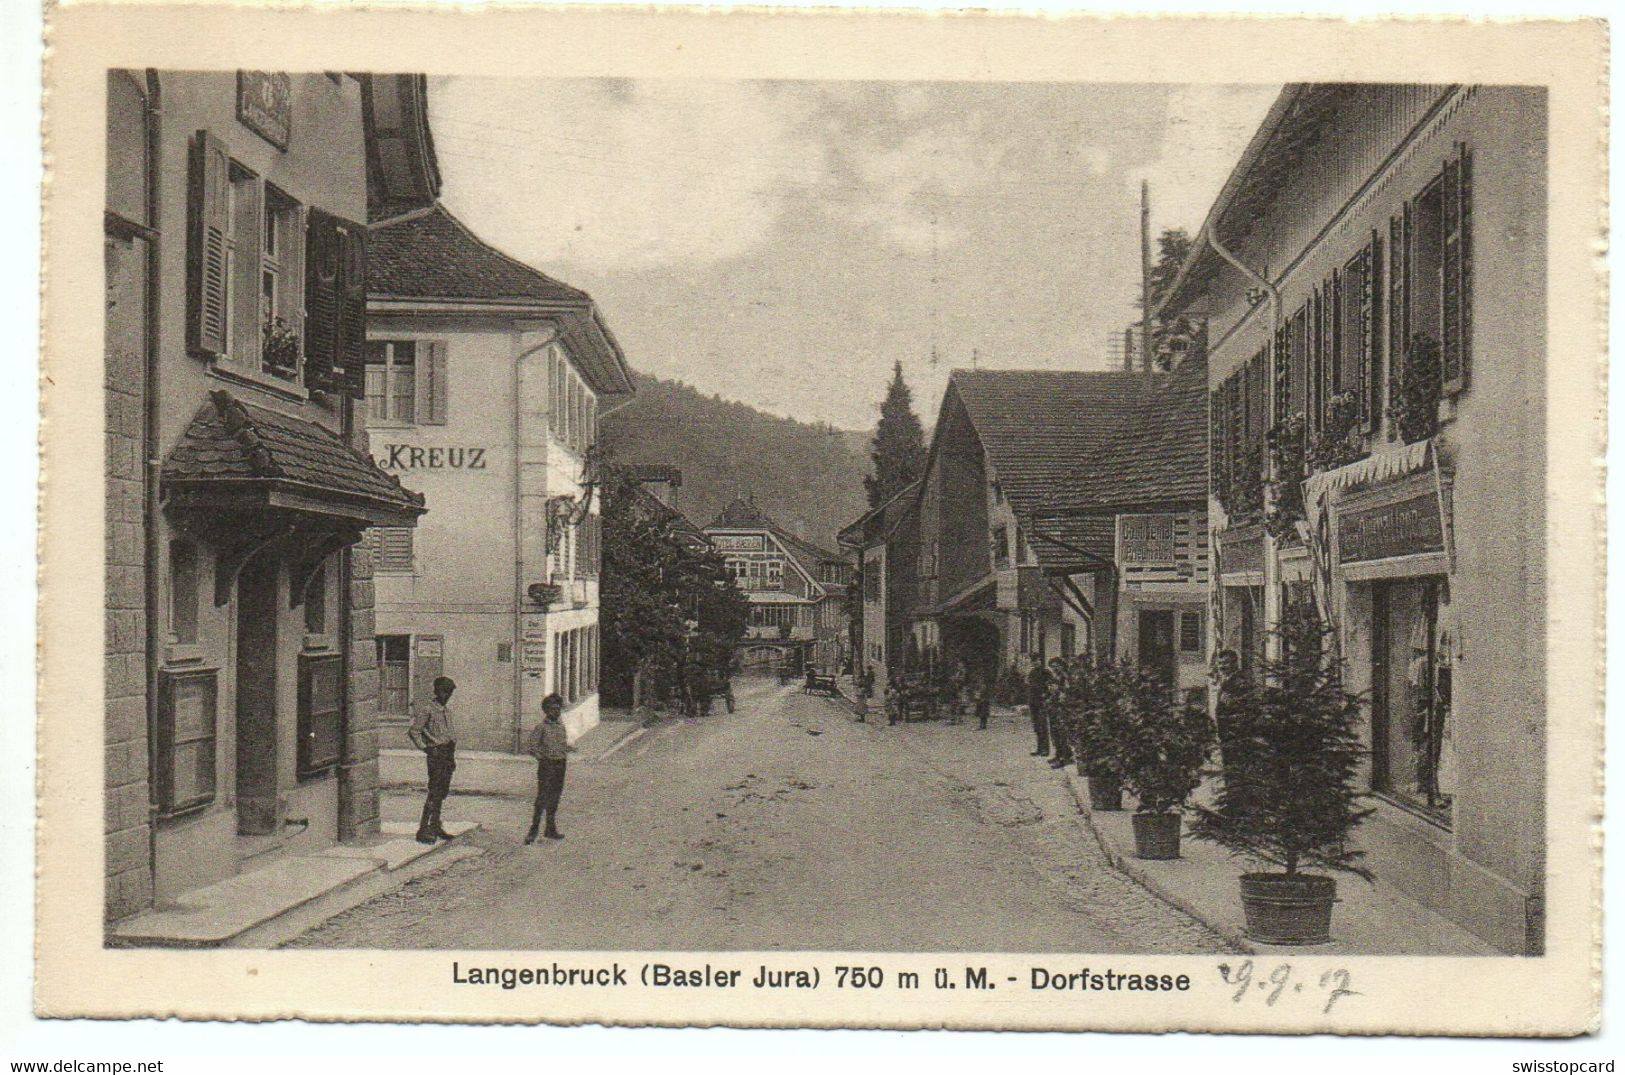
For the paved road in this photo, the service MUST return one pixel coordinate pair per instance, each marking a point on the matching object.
(785, 825)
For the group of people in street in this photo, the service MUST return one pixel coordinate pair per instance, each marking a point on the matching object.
(954, 688)
(1049, 728)
(433, 731)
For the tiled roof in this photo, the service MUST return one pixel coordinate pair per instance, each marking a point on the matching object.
(232, 442)
(431, 254)
(741, 511)
(1066, 443)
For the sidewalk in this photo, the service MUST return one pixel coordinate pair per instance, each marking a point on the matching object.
(1368, 919)
(262, 908)
(489, 772)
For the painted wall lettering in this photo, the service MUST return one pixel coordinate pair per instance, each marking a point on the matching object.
(416, 457)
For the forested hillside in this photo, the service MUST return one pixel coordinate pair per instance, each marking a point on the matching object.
(808, 478)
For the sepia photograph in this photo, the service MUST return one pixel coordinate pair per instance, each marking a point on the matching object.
(629, 530)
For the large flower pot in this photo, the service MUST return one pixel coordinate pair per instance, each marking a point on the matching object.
(1286, 908)
(1156, 836)
(1105, 792)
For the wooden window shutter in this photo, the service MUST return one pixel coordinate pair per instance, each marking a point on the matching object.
(1299, 400)
(1371, 335)
(1399, 245)
(1283, 370)
(322, 258)
(393, 549)
(210, 190)
(1456, 285)
(1312, 377)
(1261, 401)
(428, 662)
(431, 386)
(1351, 332)
(1215, 440)
(352, 312)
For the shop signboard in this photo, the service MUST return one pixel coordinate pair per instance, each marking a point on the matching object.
(265, 105)
(1403, 528)
(533, 645)
(737, 542)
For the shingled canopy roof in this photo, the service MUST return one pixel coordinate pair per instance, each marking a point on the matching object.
(1071, 449)
(236, 453)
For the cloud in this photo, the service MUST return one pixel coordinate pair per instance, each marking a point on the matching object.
(611, 172)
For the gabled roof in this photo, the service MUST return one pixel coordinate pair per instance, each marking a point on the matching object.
(430, 254)
(852, 532)
(1066, 444)
(742, 513)
(234, 446)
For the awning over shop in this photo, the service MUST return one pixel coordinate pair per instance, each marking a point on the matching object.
(774, 597)
(245, 478)
(1372, 470)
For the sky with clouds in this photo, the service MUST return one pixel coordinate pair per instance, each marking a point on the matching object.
(783, 243)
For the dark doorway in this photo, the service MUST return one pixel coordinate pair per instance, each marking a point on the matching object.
(1157, 654)
(256, 696)
(976, 642)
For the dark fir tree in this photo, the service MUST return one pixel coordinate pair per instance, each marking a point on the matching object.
(898, 449)
(1292, 756)
(1173, 247)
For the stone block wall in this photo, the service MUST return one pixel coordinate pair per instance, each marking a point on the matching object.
(127, 828)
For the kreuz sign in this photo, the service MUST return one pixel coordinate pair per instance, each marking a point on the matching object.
(1404, 528)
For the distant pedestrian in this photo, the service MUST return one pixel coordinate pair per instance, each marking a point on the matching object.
(550, 745)
(894, 700)
(1037, 687)
(433, 733)
(1059, 731)
(984, 703)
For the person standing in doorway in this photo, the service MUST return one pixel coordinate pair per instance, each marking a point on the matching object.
(433, 733)
(550, 746)
(1037, 686)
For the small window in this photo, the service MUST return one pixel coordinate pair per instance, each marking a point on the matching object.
(182, 592)
(394, 674)
(316, 603)
(281, 277)
(391, 380)
(1190, 632)
(391, 550)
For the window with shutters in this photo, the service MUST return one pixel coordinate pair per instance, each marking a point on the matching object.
(406, 382)
(248, 274)
(391, 550)
(1430, 299)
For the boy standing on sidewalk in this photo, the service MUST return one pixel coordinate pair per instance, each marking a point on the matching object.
(550, 745)
(432, 732)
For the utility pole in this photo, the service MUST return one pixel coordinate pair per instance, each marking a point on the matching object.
(1145, 275)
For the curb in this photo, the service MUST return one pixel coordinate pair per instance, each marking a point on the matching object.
(1129, 867)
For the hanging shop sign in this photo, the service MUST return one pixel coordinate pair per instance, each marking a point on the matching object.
(1404, 528)
(265, 105)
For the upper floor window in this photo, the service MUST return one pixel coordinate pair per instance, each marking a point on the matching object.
(999, 542)
(391, 380)
(407, 382)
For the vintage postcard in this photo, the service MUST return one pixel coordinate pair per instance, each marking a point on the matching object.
(829, 520)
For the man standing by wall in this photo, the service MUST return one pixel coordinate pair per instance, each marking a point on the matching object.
(1037, 685)
(432, 733)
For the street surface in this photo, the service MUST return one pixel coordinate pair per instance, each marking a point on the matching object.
(784, 825)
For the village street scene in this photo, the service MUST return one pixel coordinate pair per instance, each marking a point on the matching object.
(596, 514)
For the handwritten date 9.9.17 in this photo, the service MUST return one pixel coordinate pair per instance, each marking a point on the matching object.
(1249, 980)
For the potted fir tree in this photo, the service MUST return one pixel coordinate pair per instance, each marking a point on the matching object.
(1101, 719)
(1165, 742)
(1288, 795)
